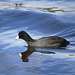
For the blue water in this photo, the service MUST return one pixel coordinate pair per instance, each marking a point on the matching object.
(38, 18)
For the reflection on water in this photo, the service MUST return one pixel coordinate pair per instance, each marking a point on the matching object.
(24, 55)
(44, 6)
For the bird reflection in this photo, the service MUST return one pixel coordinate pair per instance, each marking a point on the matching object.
(24, 55)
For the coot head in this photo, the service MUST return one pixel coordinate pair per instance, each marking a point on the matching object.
(23, 35)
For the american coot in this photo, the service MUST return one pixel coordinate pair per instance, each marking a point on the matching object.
(48, 42)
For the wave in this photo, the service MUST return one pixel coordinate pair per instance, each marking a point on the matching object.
(37, 24)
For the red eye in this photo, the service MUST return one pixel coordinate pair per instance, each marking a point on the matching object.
(21, 35)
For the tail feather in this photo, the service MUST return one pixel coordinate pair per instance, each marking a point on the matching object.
(65, 43)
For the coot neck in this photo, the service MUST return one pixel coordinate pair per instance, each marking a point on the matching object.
(28, 38)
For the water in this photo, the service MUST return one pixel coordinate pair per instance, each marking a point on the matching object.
(38, 18)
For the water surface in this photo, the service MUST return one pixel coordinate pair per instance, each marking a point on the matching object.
(38, 18)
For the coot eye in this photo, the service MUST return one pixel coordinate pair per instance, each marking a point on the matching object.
(21, 35)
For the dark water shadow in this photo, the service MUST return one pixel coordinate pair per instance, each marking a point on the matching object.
(24, 55)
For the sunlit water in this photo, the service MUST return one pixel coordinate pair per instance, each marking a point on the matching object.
(38, 18)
